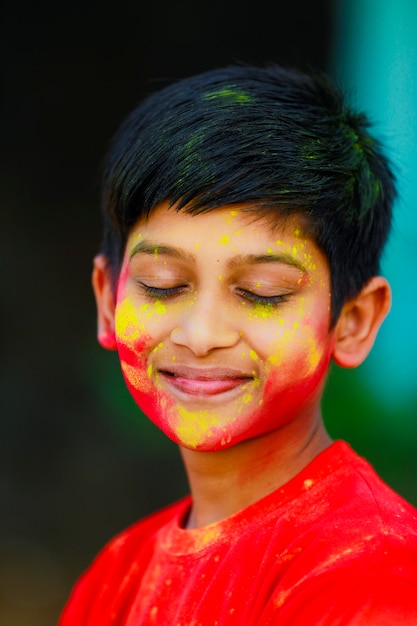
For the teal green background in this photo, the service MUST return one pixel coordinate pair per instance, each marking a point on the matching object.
(373, 55)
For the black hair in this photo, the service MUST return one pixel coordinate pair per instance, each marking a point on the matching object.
(282, 141)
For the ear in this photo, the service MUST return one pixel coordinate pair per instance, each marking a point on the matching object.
(103, 291)
(359, 322)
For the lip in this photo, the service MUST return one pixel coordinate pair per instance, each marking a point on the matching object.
(202, 382)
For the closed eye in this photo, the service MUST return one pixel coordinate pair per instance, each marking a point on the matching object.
(255, 298)
(162, 293)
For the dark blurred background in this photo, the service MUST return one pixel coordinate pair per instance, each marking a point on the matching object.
(79, 462)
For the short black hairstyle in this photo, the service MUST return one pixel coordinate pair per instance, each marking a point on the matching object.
(277, 139)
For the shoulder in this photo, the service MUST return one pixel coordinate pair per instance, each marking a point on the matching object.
(355, 555)
(348, 596)
(117, 563)
(350, 486)
(366, 499)
(357, 512)
(338, 517)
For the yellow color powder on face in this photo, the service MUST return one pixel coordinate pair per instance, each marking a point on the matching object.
(314, 354)
(156, 308)
(256, 382)
(262, 311)
(160, 308)
(158, 347)
(224, 240)
(135, 240)
(127, 324)
(253, 355)
(136, 377)
(309, 262)
(229, 217)
(193, 427)
(277, 358)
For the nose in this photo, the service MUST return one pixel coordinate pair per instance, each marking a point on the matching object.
(206, 327)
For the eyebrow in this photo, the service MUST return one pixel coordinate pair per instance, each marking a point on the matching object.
(258, 259)
(149, 247)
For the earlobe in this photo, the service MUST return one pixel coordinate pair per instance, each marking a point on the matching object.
(359, 322)
(103, 291)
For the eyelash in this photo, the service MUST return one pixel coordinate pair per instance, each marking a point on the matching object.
(262, 300)
(162, 293)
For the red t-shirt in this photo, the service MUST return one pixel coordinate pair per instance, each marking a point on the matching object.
(333, 547)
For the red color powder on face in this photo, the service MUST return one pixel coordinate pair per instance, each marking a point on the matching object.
(152, 402)
(133, 356)
(290, 362)
(278, 405)
(149, 403)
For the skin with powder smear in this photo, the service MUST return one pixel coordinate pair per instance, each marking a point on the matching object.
(222, 325)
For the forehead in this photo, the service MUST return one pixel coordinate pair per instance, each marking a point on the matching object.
(239, 220)
(228, 237)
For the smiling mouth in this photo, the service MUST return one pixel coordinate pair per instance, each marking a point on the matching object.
(205, 383)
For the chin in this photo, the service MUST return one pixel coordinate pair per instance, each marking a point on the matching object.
(196, 434)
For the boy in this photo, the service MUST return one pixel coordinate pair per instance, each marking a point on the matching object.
(245, 214)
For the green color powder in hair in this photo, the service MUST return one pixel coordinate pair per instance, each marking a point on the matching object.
(229, 93)
(195, 142)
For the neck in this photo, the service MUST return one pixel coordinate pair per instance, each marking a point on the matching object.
(225, 482)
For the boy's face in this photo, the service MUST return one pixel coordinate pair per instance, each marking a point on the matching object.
(222, 325)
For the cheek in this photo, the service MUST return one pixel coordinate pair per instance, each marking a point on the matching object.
(132, 341)
(138, 326)
(284, 399)
(137, 375)
(298, 352)
(133, 365)
(298, 365)
(134, 345)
